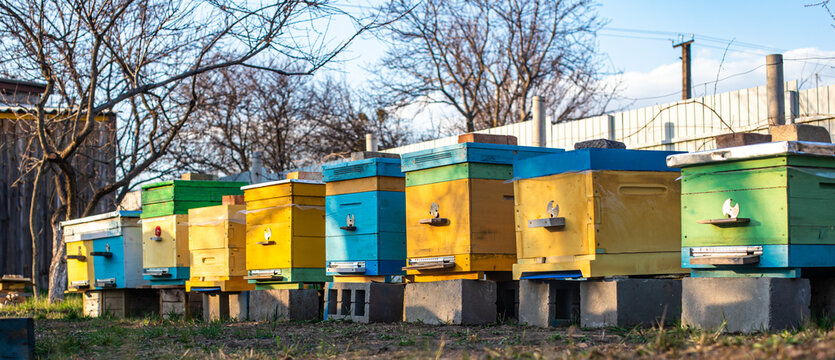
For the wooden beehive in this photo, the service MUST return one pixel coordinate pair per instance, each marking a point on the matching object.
(459, 210)
(365, 219)
(104, 251)
(596, 212)
(758, 210)
(165, 207)
(217, 243)
(285, 233)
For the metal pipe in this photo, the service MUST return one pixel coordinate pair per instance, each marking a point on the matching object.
(538, 116)
(370, 142)
(774, 89)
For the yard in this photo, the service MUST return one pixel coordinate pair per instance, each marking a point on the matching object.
(62, 332)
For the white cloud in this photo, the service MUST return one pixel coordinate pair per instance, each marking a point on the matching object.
(738, 71)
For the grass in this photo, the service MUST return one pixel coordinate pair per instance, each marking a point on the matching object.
(63, 333)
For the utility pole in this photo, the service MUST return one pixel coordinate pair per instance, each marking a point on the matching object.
(686, 78)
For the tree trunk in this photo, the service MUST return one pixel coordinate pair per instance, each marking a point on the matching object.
(33, 232)
(58, 266)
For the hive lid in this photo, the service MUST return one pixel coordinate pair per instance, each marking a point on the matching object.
(279, 182)
(471, 152)
(592, 159)
(362, 169)
(104, 216)
(748, 152)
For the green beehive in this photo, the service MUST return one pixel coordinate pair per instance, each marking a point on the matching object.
(177, 196)
(758, 210)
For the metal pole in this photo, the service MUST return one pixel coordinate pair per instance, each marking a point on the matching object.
(538, 116)
(370, 142)
(257, 169)
(774, 89)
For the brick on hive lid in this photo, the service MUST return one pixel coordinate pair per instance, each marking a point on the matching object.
(233, 200)
(304, 175)
(198, 176)
(799, 132)
(487, 139)
(362, 155)
(740, 139)
(599, 144)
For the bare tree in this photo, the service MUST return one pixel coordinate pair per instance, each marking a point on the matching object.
(340, 116)
(293, 121)
(487, 59)
(136, 57)
(241, 111)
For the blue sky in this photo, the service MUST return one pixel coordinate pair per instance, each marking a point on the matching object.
(637, 44)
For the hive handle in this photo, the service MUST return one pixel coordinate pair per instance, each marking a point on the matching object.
(348, 228)
(435, 221)
(77, 257)
(106, 254)
(268, 242)
(726, 221)
(548, 223)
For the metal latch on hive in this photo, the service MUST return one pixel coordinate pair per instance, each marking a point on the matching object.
(347, 267)
(349, 224)
(432, 263)
(726, 255)
(270, 274)
(552, 221)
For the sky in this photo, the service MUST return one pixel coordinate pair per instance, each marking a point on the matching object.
(637, 46)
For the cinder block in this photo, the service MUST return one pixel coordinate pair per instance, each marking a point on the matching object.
(362, 155)
(17, 338)
(225, 305)
(549, 303)
(599, 144)
(459, 302)
(121, 303)
(740, 139)
(364, 302)
(239, 305)
(629, 302)
(746, 304)
(487, 139)
(799, 132)
(178, 302)
(290, 304)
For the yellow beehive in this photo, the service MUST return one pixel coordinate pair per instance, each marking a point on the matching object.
(217, 242)
(599, 222)
(479, 213)
(169, 248)
(285, 230)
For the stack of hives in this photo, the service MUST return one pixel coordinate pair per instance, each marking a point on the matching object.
(366, 238)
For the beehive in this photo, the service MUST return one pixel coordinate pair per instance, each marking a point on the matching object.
(165, 207)
(217, 243)
(285, 233)
(104, 251)
(459, 210)
(596, 212)
(758, 210)
(365, 223)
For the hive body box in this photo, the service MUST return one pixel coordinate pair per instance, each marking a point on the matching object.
(104, 251)
(365, 219)
(285, 234)
(165, 207)
(596, 212)
(779, 217)
(459, 210)
(217, 243)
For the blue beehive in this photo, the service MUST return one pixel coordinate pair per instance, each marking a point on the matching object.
(116, 242)
(365, 218)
